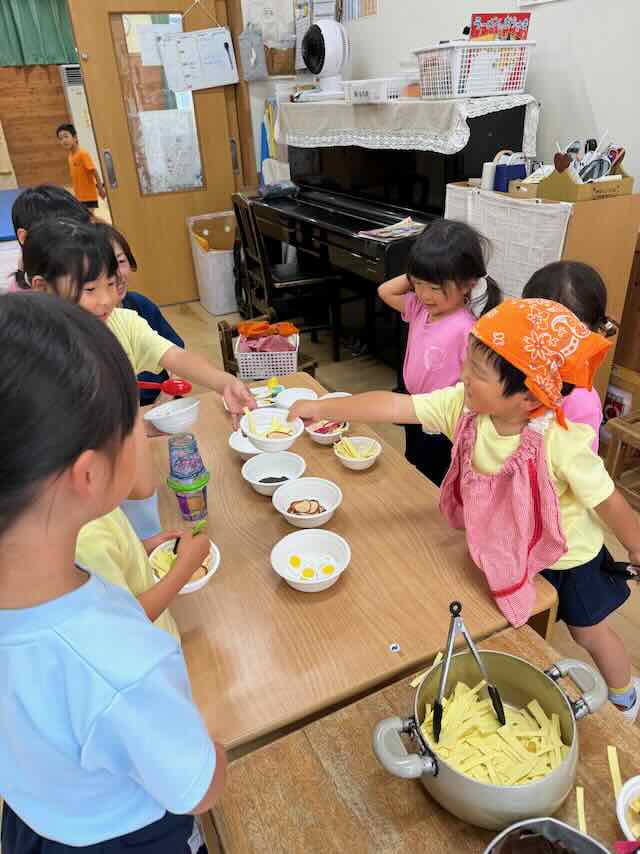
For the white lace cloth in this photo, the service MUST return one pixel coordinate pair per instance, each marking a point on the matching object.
(439, 126)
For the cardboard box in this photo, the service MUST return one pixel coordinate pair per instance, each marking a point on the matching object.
(522, 190)
(559, 187)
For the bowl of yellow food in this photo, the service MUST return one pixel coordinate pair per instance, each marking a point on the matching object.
(269, 430)
(357, 452)
(162, 560)
(628, 808)
(311, 561)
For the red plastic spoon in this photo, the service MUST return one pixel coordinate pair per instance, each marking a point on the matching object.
(172, 387)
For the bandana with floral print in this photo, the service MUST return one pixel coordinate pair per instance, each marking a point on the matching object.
(548, 343)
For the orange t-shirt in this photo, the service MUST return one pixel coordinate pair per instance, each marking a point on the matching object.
(81, 167)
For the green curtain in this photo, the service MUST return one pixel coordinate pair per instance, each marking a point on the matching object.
(36, 32)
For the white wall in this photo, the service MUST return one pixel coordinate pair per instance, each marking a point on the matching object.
(585, 71)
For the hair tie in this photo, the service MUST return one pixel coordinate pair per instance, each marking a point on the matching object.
(478, 297)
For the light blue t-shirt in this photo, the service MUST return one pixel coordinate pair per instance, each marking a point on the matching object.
(98, 733)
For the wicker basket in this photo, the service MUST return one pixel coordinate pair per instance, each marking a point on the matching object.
(474, 69)
(261, 366)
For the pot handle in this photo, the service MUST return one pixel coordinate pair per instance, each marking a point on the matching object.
(392, 754)
(594, 689)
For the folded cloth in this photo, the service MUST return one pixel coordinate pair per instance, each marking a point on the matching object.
(268, 344)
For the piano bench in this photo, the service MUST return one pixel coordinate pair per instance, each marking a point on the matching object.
(227, 333)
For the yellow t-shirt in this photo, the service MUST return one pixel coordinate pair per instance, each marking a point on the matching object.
(578, 475)
(141, 343)
(109, 547)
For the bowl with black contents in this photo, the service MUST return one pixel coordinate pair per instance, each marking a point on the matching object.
(266, 472)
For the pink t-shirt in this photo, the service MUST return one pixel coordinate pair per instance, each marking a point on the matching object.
(585, 407)
(435, 350)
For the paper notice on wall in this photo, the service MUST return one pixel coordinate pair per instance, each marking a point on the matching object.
(172, 154)
(149, 36)
(198, 60)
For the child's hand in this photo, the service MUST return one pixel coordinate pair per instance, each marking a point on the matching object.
(305, 409)
(237, 396)
(193, 550)
(153, 542)
(634, 558)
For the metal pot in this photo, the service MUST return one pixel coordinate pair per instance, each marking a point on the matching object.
(555, 831)
(481, 804)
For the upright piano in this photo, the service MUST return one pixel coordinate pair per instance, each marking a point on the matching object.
(345, 190)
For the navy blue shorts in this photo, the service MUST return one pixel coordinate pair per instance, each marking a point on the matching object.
(168, 835)
(587, 594)
(430, 453)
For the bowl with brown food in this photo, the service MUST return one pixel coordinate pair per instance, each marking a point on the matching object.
(162, 559)
(308, 502)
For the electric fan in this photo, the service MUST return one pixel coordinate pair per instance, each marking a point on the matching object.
(326, 51)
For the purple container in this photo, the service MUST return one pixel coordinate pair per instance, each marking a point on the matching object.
(192, 497)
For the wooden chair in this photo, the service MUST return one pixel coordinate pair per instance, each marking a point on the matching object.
(227, 333)
(293, 290)
(623, 456)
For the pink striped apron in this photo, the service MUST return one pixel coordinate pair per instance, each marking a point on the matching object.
(511, 518)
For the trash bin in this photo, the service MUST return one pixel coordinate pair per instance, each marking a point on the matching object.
(212, 237)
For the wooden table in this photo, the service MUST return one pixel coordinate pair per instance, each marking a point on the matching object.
(263, 656)
(321, 790)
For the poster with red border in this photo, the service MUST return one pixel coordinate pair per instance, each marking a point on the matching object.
(506, 26)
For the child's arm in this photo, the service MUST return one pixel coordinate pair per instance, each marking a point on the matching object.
(382, 407)
(191, 553)
(196, 368)
(394, 291)
(217, 782)
(99, 184)
(145, 483)
(616, 513)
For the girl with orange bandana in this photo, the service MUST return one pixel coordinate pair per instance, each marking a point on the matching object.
(523, 482)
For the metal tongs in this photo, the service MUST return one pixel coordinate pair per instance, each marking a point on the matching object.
(456, 627)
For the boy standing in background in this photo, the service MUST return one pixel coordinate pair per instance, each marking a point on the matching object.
(86, 182)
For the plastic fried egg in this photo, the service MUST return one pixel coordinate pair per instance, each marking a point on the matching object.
(295, 561)
(327, 569)
(308, 573)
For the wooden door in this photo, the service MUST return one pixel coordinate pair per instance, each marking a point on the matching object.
(165, 155)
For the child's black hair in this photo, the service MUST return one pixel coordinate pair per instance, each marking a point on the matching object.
(66, 386)
(68, 127)
(575, 285)
(114, 236)
(37, 203)
(450, 251)
(512, 379)
(63, 250)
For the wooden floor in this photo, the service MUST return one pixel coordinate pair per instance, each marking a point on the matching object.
(364, 373)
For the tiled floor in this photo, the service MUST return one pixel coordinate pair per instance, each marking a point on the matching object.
(364, 373)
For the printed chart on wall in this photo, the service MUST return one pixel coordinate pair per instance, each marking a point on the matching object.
(354, 9)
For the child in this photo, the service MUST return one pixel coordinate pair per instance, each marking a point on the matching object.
(37, 203)
(582, 290)
(523, 481)
(140, 304)
(96, 706)
(444, 291)
(87, 184)
(76, 262)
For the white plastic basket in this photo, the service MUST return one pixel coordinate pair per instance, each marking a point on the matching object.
(261, 366)
(474, 69)
(379, 90)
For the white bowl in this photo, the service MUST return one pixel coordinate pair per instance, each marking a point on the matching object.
(262, 419)
(289, 396)
(324, 491)
(327, 438)
(361, 443)
(335, 394)
(192, 586)
(272, 465)
(321, 548)
(239, 443)
(175, 416)
(629, 792)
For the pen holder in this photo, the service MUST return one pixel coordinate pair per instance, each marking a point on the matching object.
(504, 174)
